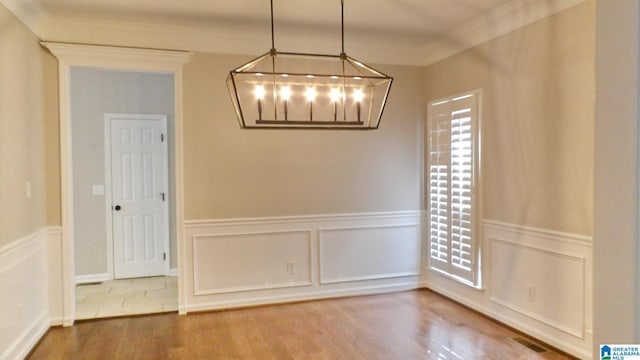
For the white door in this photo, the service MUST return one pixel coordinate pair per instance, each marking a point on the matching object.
(139, 199)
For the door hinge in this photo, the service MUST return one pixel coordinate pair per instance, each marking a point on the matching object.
(161, 137)
(164, 256)
(162, 195)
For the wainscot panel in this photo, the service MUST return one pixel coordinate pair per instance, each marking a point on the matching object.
(531, 280)
(536, 280)
(24, 306)
(252, 261)
(391, 251)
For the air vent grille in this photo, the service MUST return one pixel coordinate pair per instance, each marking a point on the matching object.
(528, 344)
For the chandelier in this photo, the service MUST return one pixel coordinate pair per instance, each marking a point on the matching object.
(315, 91)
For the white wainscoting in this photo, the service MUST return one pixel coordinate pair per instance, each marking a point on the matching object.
(391, 251)
(234, 262)
(24, 305)
(54, 255)
(251, 261)
(536, 280)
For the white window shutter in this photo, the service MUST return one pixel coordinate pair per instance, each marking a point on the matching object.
(452, 162)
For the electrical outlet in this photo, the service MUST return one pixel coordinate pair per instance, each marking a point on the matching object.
(291, 268)
(531, 293)
(97, 190)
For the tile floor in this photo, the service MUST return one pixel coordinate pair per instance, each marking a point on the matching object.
(127, 297)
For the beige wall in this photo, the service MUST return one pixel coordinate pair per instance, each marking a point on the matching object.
(22, 131)
(538, 118)
(232, 173)
(95, 92)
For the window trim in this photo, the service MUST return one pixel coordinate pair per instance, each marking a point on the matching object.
(477, 217)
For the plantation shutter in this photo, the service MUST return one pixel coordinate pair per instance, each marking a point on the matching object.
(451, 173)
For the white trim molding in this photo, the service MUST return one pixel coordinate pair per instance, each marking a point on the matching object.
(538, 281)
(109, 57)
(91, 278)
(115, 57)
(253, 261)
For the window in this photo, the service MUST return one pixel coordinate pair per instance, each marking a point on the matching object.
(453, 163)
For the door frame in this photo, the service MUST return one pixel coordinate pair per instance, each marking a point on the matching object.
(108, 118)
(119, 58)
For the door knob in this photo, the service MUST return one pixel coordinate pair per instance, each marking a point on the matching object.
(118, 207)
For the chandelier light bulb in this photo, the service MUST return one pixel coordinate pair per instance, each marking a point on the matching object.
(311, 93)
(259, 92)
(285, 93)
(358, 95)
(335, 95)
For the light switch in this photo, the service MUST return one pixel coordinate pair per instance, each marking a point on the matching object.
(27, 186)
(98, 190)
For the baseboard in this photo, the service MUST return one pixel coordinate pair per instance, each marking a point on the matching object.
(91, 278)
(315, 295)
(23, 344)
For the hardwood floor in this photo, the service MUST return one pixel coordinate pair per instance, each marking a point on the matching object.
(407, 325)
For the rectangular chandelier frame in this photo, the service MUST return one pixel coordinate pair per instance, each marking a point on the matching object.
(308, 91)
(354, 96)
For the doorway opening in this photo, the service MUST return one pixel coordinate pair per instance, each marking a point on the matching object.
(72, 56)
(122, 138)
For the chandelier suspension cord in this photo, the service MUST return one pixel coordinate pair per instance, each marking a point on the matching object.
(343, 57)
(273, 41)
(342, 25)
(273, 65)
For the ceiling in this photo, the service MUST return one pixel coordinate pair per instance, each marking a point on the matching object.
(411, 18)
(391, 31)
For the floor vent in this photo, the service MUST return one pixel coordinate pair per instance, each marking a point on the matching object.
(527, 343)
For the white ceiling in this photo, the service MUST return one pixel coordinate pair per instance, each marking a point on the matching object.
(402, 17)
(391, 31)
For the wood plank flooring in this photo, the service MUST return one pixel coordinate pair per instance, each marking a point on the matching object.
(407, 325)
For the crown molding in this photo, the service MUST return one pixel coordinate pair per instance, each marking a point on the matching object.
(507, 18)
(222, 38)
(29, 12)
